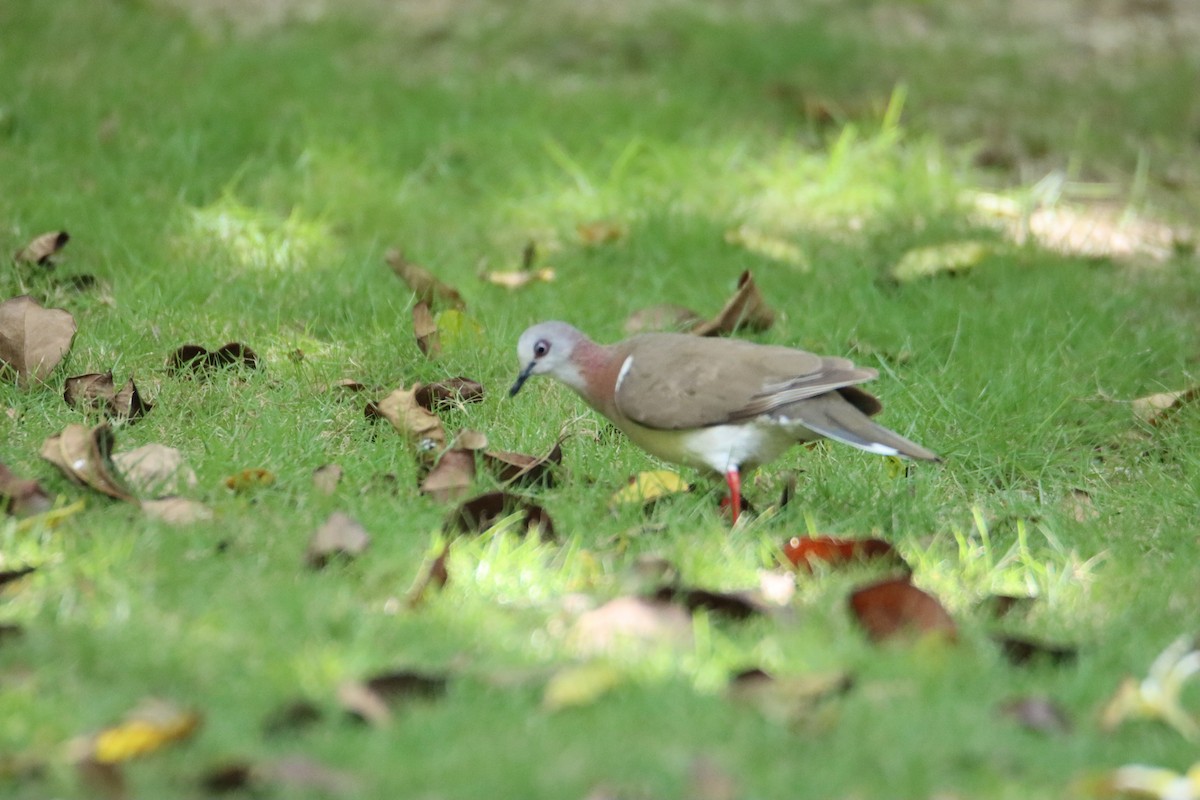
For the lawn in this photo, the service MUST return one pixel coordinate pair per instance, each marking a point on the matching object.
(240, 172)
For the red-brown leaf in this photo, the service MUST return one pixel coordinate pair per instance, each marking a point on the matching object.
(806, 551)
(896, 607)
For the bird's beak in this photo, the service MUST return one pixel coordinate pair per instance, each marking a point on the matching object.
(524, 376)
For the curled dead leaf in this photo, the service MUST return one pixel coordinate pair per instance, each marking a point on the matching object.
(197, 360)
(425, 330)
(340, 536)
(97, 391)
(482, 512)
(326, 478)
(468, 439)
(408, 417)
(84, 455)
(447, 393)
(1155, 409)
(805, 552)
(20, 496)
(41, 248)
(375, 699)
(427, 288)
(33, 340)
(895, 607)
(747, 309)
(518, 469)
(451, 477)
(249, 480)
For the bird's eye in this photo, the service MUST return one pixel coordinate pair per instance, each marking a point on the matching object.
(541, 348)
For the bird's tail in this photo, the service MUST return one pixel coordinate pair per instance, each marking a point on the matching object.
(835, 418)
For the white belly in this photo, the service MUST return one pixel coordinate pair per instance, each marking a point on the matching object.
(719, 447)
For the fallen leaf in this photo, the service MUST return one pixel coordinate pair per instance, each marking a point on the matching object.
(647, 488)
(805, 552)
(1158, 695)
(97, 391)
(724, 604)
(896, 607)
(249, 480)
(1037, 713)
(768, 246)
(1156, 409)
(229, 777)
(948, 259)
(154, 470)
(375, 699)
(41, 248)
(427, 288)
(196, 359)
(482, 512)
(579, 685)
(433, 575)
(789, 700)
(1147, 783)
(451, 477)
(408, 417)
(631, 621)
(326, 478)
(290, 718)
(22, 497)
(307, 775)
(33, 340)
(176, 510)
(348, 385)
(747, 309)
(1021, 651)
(467, 439)
(515, 279)
(666, 317)
(1080, 504)
(600, 232)
(518, 469)
(9, 575)
(152, 725)
(448, 393)
(340, 536)
(84, 455)
(425, 330)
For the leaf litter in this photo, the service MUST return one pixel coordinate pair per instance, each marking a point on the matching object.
(33, 339)
(97, 391)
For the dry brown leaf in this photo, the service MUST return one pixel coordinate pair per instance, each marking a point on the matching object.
(482, 512)
(747, 309)
(33, 340)
(84, 456)
(468, 439)
(408, 417)
(896, 607)
(41, 248)
(96, 391)
(347, 385)
(20, 496)
(518, 469)
(1157, 408)
(1079, 503)
(724, 604)
(176, 510)
(631, 621)
(666, 317)
(451, 477)
(341, 536)
(326, 478)
(154, 470)
(425, 330)
(423, 284)
(375, 699)
(515, 279)
(291, 717)
(448, 393)
(433, 575)
(600, 232)
(249, 480)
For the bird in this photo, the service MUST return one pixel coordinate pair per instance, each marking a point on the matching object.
(723, 405)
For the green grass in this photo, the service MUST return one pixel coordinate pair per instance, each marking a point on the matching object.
(226, 187)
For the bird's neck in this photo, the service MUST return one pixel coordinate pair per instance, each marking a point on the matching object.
(595, 374)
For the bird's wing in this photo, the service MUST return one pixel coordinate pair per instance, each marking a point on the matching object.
(676, 381)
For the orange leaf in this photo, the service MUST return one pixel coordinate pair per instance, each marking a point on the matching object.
(806, 551)
(895, 607)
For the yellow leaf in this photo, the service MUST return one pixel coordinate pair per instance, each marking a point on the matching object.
(579, 686)
(925, 262)
(515, 279)
(646, 487)
(152, 726)
(456, 329)
(250, 479)
(772, 247)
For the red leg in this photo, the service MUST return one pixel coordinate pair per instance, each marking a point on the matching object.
(734, 479)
